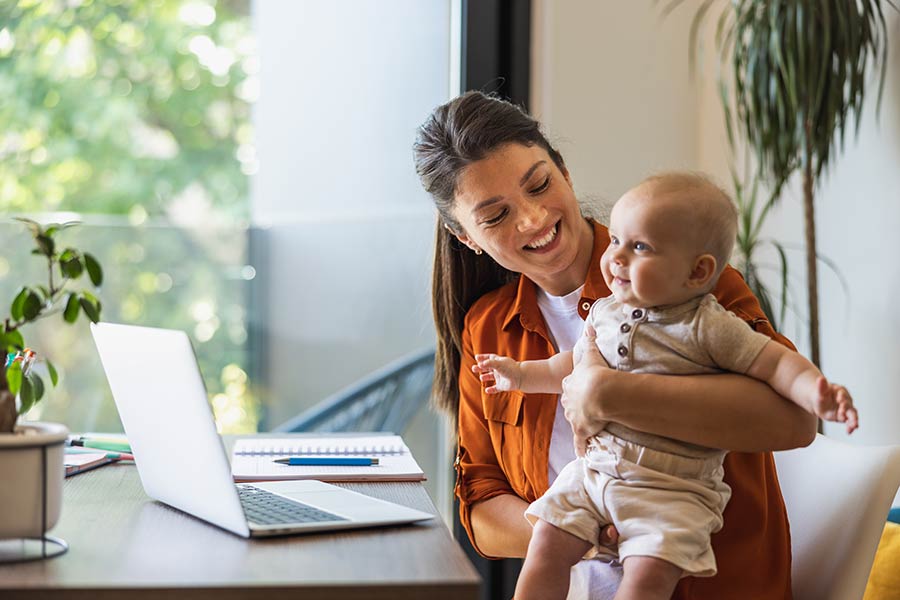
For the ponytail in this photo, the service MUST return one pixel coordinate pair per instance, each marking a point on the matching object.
(459, 278)
(455, 135)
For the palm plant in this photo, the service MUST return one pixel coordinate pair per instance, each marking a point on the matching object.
(798, 72)
(751, 216)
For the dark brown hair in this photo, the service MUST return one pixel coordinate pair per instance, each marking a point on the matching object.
(457, 134)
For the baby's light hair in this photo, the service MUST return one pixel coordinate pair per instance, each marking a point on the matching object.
(712, 222)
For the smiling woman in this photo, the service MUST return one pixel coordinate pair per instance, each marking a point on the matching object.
(530, 223)
(516, 269)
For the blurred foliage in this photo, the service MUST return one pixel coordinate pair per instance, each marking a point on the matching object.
(111, 103)
(139, 110)
(193, 279)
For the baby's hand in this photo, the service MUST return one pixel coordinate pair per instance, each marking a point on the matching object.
(833, 403)
(504, 374)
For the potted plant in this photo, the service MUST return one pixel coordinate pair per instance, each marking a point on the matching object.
(798, 72)
(31, 454)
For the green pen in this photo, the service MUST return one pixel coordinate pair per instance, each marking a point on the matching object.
(115, 455)
(100, 445)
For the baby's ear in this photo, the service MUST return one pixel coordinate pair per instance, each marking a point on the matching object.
(703, 271)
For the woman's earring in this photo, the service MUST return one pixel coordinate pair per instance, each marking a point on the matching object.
(478, 251)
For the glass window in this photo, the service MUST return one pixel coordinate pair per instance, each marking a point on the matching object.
(241, 170)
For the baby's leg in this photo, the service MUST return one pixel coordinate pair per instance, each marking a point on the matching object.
(648, 578)
(551, 554)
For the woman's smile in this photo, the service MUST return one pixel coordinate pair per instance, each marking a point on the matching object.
(546, 241)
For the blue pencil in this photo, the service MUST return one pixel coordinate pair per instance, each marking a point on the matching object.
(327, 461)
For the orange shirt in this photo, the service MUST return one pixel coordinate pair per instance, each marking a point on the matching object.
(504, 439)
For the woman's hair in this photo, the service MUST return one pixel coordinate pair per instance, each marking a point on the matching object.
(457, 134)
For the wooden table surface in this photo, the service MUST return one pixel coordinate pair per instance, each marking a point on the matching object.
(123, 544)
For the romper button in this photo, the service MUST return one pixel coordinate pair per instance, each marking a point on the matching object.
(637, 313)
(585, 305)
(625, 328)
(623, 351)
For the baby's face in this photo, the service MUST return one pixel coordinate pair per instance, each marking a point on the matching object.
(649, 259)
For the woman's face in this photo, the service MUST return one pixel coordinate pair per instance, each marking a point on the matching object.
(520, 208)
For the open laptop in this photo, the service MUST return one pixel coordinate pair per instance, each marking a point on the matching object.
(162, 401)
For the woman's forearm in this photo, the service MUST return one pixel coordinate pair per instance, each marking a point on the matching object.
(725, 411)
(500, 528)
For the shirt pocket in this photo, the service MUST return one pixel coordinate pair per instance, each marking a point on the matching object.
(503, 412)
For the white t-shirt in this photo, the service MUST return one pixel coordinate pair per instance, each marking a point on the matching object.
(566, 326)
(594, 578)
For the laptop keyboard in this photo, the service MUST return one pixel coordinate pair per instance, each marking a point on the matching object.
(266, 508)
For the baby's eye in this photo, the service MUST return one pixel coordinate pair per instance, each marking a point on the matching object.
(613, 240)
(641, 246)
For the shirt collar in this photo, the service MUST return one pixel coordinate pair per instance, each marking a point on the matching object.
(525, 307)
(667, 313)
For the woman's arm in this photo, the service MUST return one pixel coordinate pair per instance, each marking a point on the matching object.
(727, 411)
(500, 527)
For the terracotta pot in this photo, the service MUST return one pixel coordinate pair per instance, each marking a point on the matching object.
(21, 489)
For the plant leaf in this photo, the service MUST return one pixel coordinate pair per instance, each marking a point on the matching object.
(90, 309)
(70, 263)
(32, 306)
(37, 384)
(26, 395)
(11, 339)
(51, 370)
(18, 304)
(95, 272)
(45, 244)
(14, 377)
(33, 226)
(70, 314)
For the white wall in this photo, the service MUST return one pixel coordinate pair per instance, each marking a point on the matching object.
(347, 229)
(611, 80)
(610, 84)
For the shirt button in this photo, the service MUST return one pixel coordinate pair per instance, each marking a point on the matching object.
(625, 328)
(623, 351)
(637, 313)
(585, 305)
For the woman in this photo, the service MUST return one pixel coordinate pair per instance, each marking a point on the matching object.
(516, 268)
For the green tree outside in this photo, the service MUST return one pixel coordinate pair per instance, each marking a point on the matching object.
(141, 110)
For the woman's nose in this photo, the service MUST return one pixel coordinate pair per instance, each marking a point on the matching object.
(532, 216)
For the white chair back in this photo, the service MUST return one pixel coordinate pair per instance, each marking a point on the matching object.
(837, 497)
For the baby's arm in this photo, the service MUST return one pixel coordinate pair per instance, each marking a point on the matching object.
(794, 377)
(530, 376)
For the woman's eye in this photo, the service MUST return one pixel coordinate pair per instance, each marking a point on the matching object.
(495, 219)
(543, 186)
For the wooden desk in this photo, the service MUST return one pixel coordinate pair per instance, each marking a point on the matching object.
(122, 544)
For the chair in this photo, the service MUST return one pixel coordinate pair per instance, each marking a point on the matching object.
(837, 497)
(385, 400)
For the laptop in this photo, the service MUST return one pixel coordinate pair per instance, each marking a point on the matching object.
(162, 402)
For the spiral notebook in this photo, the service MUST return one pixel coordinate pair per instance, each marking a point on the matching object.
(254, 459)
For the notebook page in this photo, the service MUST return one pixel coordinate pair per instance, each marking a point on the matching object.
(254, 459)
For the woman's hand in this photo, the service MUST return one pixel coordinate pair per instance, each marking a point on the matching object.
(583, 393)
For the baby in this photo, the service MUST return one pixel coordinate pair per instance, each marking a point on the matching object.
(670, 238)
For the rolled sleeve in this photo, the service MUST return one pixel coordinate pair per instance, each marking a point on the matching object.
(478, 473)
(734, 294)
